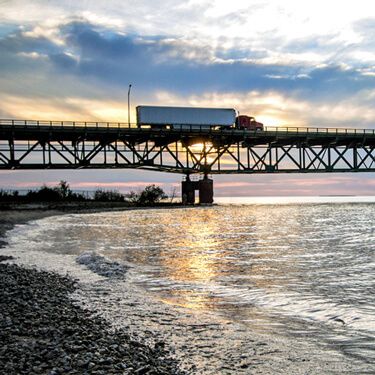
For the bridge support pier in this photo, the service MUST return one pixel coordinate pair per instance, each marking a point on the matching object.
(188, 188)
(206, 190)
(204, 186)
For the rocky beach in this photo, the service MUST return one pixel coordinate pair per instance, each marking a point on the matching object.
(44, 332)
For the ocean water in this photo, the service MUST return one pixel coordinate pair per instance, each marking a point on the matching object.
(266, 285)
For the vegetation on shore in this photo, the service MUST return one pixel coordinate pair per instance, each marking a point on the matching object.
(151, 195)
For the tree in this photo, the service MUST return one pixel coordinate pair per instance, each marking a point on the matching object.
(172, 194)
(64, 189)
(151, 195)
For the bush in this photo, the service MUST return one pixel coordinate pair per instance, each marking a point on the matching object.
(61, 192)
(63, 189)
(151, 195)
(132, 197)
(8, 196)
(44, 194)
(108, 196)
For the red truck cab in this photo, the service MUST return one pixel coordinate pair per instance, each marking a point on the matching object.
(248, 123)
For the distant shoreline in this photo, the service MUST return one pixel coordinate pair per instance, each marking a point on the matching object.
(339, 195)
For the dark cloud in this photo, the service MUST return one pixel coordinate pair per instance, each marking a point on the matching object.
(110, 59)
(20, 42)
(334, 83)
(22, 55)
(160, 63)
(92, 44)
(64, 61)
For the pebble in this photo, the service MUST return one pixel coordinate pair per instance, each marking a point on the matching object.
(40, 325)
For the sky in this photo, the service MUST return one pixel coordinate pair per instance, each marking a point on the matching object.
(286, 62)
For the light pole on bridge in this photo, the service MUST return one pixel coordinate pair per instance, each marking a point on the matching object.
(130, 86)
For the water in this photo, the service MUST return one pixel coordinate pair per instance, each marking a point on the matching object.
(247, 286)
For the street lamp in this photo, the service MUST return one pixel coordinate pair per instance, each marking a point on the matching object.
(130, 86)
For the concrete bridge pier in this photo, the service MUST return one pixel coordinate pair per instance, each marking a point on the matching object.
(188, 188)
(206, 190)
(204, 186)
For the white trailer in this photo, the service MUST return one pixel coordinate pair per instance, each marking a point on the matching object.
(185, 117)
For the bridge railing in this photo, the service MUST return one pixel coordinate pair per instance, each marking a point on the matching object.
(63, 124)
(315, 130)
(182, 127)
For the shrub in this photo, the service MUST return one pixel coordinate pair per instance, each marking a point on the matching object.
(61, 192)
(108, 196)
(63, 189)
(8, 196)
(132, 197)
(44, 194)
(150, 195)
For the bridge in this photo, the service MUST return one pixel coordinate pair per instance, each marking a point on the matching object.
(28, 144)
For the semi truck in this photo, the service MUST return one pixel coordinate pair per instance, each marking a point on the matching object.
(248, 123)
(186, 118)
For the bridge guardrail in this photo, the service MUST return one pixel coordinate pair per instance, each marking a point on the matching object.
(316, 130)
(193, 128)
(63, 124)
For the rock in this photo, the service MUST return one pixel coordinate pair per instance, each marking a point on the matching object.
(159, 345)
(42, 331)
(142, 370)
(5, 257)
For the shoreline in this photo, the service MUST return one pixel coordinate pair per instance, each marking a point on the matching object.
(44, 331)
(21, 213)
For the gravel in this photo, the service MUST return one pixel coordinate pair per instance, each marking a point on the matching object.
(43, 332)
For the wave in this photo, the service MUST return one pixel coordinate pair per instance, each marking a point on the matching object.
(101, 265)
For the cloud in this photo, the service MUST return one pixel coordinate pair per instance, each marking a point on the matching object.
(279, 109)
(365, 27)
(166, 64)
(112, 58)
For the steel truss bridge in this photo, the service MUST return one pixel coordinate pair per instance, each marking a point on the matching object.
(72, 145)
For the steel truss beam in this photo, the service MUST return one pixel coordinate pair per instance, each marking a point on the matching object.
(174, 157)
(218, 152)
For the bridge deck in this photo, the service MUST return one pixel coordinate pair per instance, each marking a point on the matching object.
(98, 131)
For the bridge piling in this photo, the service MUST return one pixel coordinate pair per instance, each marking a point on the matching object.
(188, 188)
(204, 186)
(206, 190)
